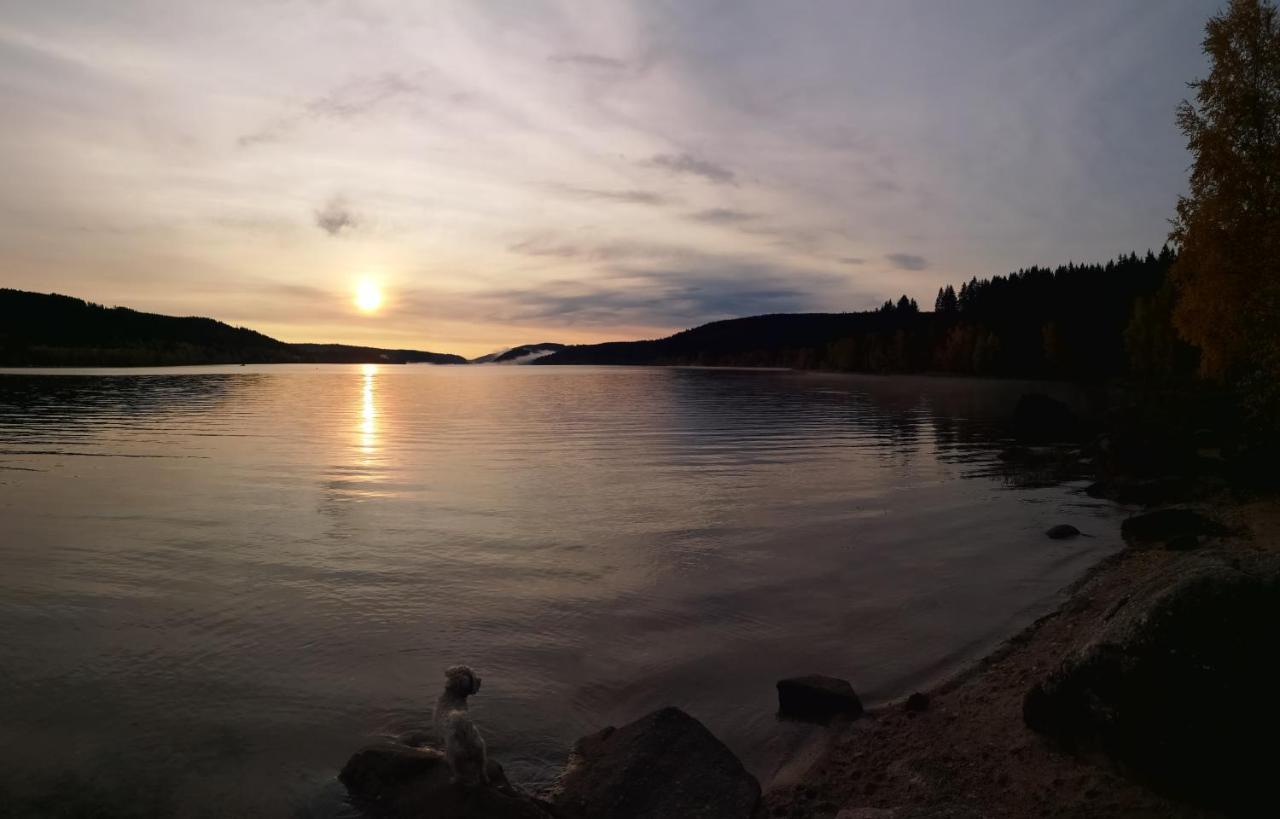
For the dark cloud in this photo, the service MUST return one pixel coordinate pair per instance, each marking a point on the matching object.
(688, 164)
(589, 61)
(632, 197)
(722, 216)
(335, 217)
(705, 289)
(852, 260)
(907, 261)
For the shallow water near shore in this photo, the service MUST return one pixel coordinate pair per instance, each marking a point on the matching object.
(219, 582)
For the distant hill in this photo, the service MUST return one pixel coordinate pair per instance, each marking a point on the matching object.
(347, 354)
(39, 329)
(771, 340)
(1073, 321)
(524, 354)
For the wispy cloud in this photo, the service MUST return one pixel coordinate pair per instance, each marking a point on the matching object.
(852, 260)
(627, 197)
(359, 96)
(589, 61)
(723, 216)
(907, 261)
(695, 166)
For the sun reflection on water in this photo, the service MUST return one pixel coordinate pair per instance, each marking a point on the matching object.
(368, 411)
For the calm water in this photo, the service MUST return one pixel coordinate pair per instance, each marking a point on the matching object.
(218, 582)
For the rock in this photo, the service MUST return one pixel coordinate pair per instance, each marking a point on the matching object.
(1041, 419)
(917, 702)
(1145, 491)
(1166, 524)
(1179, 685)
(416, 739)
(666, 764)
(1062, 531)
(1183, 543)
(394, 780)
(817, 698)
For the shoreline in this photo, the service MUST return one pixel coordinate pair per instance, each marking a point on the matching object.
(970, 752)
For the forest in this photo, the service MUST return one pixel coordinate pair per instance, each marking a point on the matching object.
(1074, 321)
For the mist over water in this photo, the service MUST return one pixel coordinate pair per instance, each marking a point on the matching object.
(219, 582)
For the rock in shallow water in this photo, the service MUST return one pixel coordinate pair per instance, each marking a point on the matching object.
(392, 780)
(817, 698)
(1062, 531)
(666, 764)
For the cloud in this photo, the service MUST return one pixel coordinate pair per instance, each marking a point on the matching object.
(629, 197)
(687, 164)
(700, 290)
(722, 216)
(550, 244)
(363, 94)
(589, 61)
(335, 217)
(907, 261)
(359, 96)
(851, 260)
(544, 246)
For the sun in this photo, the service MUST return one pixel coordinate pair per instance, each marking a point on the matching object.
(368, 296)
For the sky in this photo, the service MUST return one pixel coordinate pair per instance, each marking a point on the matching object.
(525, 171)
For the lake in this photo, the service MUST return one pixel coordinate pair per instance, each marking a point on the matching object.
(220, 582)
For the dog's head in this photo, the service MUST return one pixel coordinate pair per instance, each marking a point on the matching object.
(461, 680)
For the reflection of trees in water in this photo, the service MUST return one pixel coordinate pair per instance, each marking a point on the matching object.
(909, 417)
(52, 414)
(62, 399)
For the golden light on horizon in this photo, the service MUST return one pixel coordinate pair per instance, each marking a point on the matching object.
(368, 296)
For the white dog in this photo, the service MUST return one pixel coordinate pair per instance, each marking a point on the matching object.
(463, 746)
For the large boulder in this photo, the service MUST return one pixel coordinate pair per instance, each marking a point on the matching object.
(817, 698)
(1164, 525)
(666, 764)
(1179, 685)
(1147, 491)
(393, 780)
(1040, 419)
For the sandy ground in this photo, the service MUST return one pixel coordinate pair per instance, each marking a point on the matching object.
(969, 754)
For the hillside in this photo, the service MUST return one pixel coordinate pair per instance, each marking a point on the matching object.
(51, 330)
(348, 354)
(1074, 321)
(524, 354)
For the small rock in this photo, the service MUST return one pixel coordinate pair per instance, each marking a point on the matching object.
(817, 698)
(1062, 531)
(917, 702)
(1183, 543)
